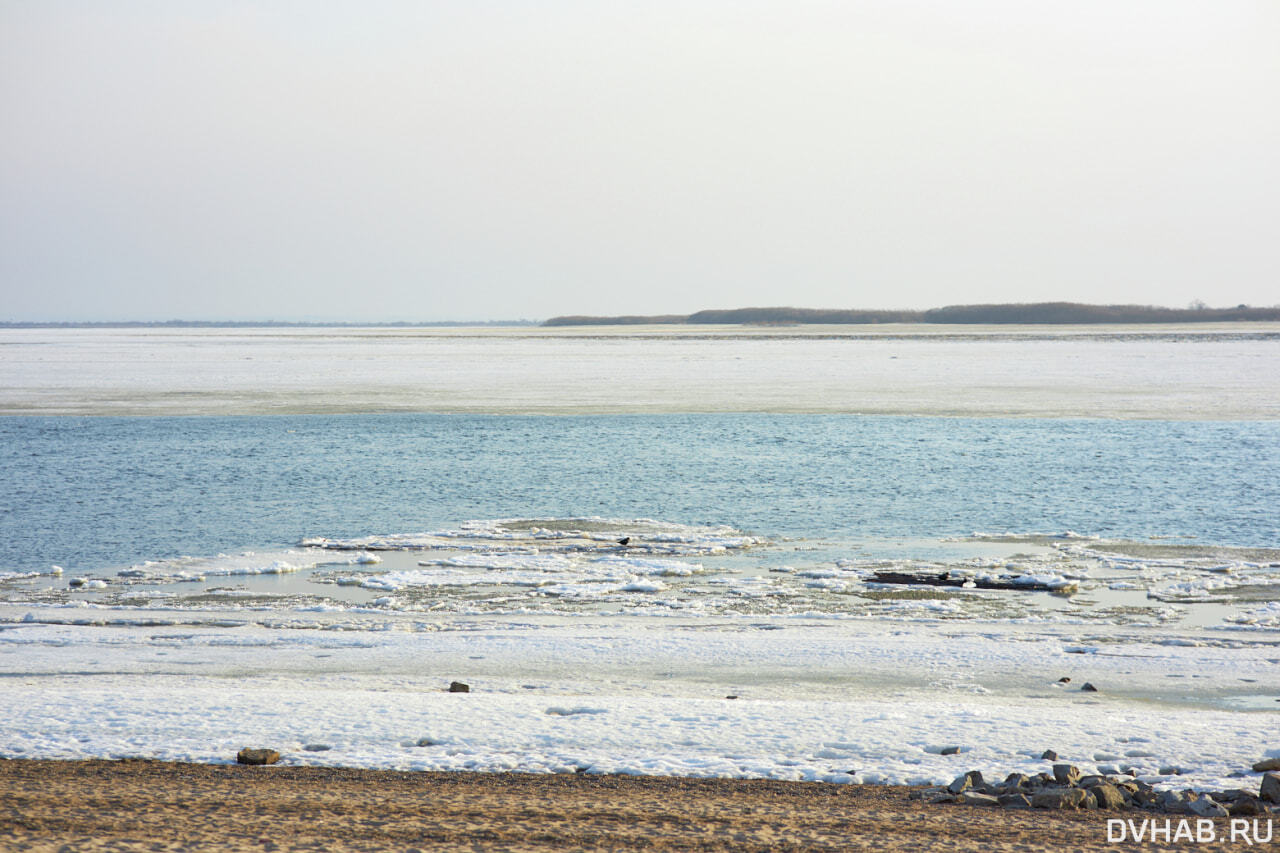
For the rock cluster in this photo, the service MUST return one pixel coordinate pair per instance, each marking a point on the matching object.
(1067, 788)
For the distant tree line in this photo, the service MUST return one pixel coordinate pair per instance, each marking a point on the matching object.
(1030, 313)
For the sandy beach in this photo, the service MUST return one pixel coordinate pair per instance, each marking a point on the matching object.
(154, 806)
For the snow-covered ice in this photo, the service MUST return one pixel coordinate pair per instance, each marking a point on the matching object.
(842, 702)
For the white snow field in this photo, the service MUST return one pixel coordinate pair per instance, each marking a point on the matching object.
(857, 701)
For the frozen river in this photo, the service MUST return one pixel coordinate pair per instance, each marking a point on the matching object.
(835, 553)
(1218, 372)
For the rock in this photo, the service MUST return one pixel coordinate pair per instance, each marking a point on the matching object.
(1049, 755)
(1066, 774)
(425, 741)
(1107, 796)
(949, 750)
(1060, 798)
(939, 797)
(317, 747)
(1014, 801)
(1090, 781)
(1267, 764)
(459, 687)
(1088, 688)
(964, 782)
(257, 756)
(972, 798)
(1016, 781)
(1170, 771)
(1270, 788)
(1204, 806)
(1064, 680)
(1173, 802)
(1142, 799)
(1248, 806)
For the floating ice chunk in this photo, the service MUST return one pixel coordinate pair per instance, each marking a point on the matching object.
(1263, 616)
(639, 566)
(528, 562)
(831, 584)
(22, 576)
(644, 585)
(1020, 537)
(394, 581)
(1049, 581)
(818, 573)
(221, 565)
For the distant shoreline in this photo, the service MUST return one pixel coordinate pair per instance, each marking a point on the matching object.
(1040, 313)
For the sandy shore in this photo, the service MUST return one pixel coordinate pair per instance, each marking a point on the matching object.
(153, 806)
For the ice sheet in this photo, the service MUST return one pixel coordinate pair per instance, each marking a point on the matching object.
(1177, 372)
(874, 703)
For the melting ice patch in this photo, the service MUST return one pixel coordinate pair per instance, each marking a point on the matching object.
(1264, 616)
(565, 575)
(518, 561)
(53, 571)
(557, 534)
(644, 567)
(247, 563)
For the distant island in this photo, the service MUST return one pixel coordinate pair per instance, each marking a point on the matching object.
(1057, 313)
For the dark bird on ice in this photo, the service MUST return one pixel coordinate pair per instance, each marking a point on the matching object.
(625, 540)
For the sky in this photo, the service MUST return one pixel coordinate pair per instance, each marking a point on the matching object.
(419, 160)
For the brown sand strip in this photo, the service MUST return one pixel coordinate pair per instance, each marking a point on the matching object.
(153, 806)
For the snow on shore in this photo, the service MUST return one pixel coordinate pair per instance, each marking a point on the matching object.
(815, 702)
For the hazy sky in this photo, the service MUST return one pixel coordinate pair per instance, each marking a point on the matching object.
(409, 159)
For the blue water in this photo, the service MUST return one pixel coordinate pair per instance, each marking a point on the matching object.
(92, 493)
